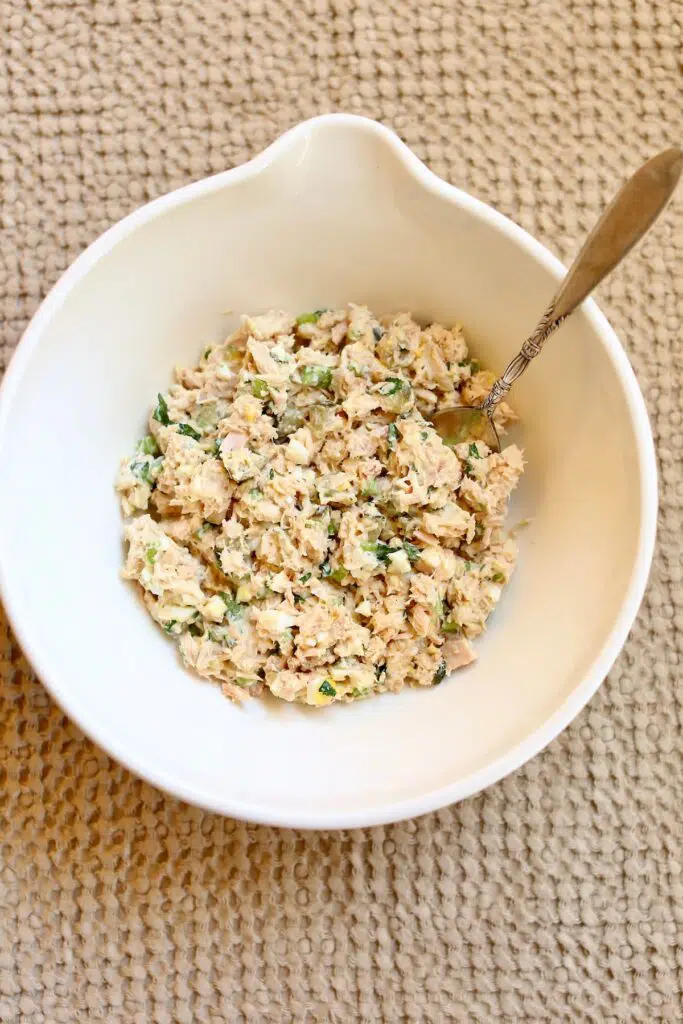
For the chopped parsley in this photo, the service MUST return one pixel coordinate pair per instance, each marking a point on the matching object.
(392, 386)
(327, 689)
(305, 578)
(473, 451)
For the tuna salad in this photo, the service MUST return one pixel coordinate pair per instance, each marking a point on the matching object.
(296, 524)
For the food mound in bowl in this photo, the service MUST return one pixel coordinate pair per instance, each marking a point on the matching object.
(297, 524)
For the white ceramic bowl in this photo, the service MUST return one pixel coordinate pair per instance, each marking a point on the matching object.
(338, 209)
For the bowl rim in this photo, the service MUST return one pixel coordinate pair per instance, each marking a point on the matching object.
(384, 812)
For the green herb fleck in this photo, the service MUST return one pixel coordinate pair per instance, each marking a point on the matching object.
(450, 627)
(217, 447)
(412, 551)
(370, 489)
(440, 674)
(338, 574)
(473, 451)
(316, 376)
(207, 352)
(327, 689)
(379, 549)
(310, 318)
(391, 386)
(325, 569)
(148, 446)
(206, 414)
(151, 553)
(168, 626)
(259, 388)
(392, 436)
(194, 629)
(498, 578)
(332, 528)
(244, 681)
(160, 414)
(305, 578)
(188, 431)
(233, 608)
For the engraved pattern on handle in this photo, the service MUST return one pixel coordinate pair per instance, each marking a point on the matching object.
(633, 210)
(529, 350)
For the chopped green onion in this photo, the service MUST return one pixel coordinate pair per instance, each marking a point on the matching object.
(325, 569)
(244, 681)
(259, 388)
(310, 318)
(206, 414)
(332, 528)
(316, 376)
(473, 451)
(146, 471)
(379, 549)
(168, 626)
(305, 578)
(148, 446)
(450, 627)
(498, 578)
(188, 431)
(160, 414)
(327, 689)
(370, 489)
(338, 574)
(392, 436)
(151, 553)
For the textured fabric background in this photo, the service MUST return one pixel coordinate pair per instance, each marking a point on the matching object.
(555, 896)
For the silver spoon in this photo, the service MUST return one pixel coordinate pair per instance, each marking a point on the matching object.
(633, 210)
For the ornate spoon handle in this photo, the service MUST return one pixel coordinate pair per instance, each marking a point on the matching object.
(632, 211)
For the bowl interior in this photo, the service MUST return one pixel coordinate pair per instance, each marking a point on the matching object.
(336, 213)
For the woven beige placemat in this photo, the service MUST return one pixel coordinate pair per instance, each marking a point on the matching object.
(555, 896)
